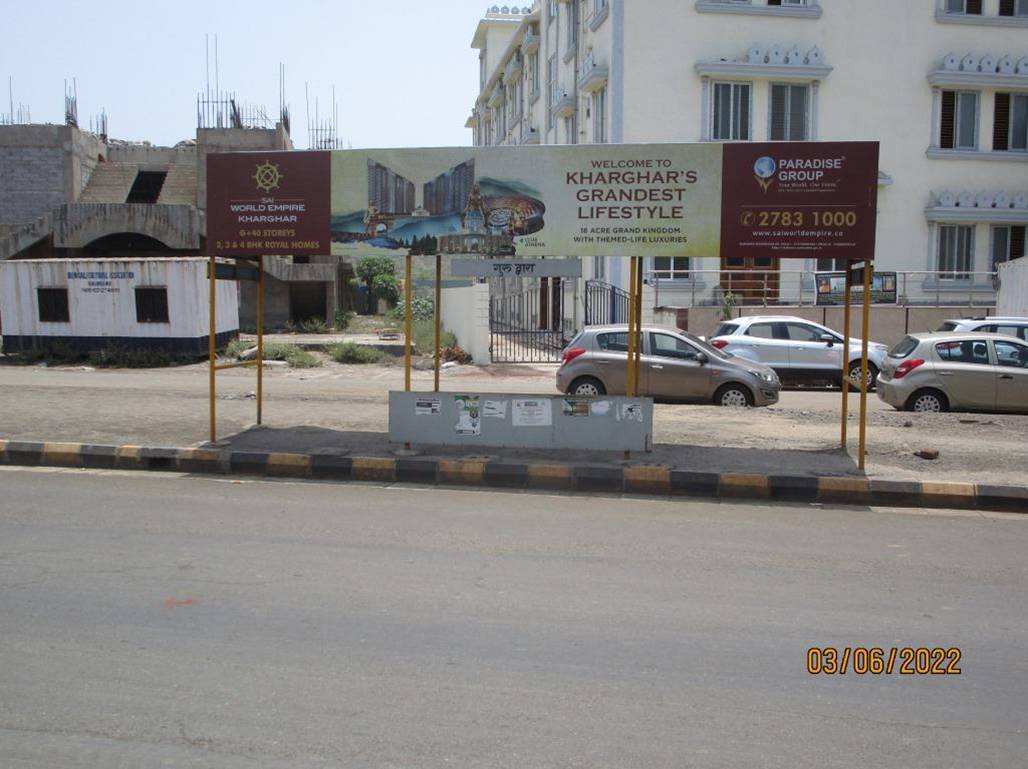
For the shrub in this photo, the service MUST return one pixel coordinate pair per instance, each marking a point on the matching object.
(424, 337)
(348, 352)
(313, 326)
(237, 347)
(343, 319)
(421, 308)
(455, 354)
(120, 357)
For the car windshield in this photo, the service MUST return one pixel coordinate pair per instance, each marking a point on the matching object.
(948, 326)
(725, 329)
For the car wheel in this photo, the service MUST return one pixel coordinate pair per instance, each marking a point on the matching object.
(928, 402)
(587, 386)
(733, 395)
(872, 375)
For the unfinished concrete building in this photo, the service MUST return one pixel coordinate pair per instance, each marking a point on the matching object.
(70, 193)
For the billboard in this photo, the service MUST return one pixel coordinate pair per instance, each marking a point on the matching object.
(699, 200)
(831, 289)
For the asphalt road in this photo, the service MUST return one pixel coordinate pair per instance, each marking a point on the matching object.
(162, 621)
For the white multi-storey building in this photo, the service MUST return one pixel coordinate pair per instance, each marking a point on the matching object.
(942, 84)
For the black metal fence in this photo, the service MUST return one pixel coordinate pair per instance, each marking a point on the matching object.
(529, 326)
(605, 304)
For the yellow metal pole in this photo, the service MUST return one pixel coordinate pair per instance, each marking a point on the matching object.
(407, 327)
(846, 361)
(866, 330)
(630, 371)
(212, 349)
(638, 321)
(260, 339)
(438, 315)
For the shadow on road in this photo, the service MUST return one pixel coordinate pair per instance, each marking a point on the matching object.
(320, 440)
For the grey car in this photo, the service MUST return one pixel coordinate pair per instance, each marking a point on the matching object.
(673, 365)
(967, 372)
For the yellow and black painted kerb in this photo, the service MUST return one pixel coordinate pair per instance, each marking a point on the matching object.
(636, 479)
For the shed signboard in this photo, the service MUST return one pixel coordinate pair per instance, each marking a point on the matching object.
(787, 200)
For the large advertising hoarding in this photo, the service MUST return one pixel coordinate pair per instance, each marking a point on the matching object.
(699, 200)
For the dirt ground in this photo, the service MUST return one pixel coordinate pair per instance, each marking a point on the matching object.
(169, 407)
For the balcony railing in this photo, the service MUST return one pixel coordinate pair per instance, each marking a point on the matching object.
(798, 288)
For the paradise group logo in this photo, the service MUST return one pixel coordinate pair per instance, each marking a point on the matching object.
(764, 172)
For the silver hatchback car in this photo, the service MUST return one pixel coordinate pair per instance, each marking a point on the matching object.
(943, 371)
(673, 365)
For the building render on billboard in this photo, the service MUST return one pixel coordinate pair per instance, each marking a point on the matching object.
(942, 84)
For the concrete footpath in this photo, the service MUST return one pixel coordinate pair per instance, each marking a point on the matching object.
(329, 424)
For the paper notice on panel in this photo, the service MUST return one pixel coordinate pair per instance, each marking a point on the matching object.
(494, 410)
(534, 412)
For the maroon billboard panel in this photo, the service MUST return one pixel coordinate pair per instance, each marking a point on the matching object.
(269, 203)
(799, 200)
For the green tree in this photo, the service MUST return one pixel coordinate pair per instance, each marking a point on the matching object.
(378, 274)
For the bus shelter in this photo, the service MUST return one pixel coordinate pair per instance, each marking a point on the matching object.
(512, 206)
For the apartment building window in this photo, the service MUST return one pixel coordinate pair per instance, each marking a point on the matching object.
(554, 9)
(788, 2)
(600, 116)
(53, 305)
(573, 18)
(967, 7)
(481, 71)
(670, 267)
(790, 113)
(959, 129)
(151, 305)
(551, 87)
(533, 73)
(1007, 244)
(571, 130)
(956, 251)
(1013, 7)
(731, 116)
(1010, 127)
(833, 264)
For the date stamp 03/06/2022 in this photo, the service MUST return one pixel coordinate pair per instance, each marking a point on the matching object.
(877, 661)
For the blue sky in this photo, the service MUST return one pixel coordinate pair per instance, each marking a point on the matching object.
(404, 72)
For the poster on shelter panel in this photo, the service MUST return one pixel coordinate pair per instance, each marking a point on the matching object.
(535, 201)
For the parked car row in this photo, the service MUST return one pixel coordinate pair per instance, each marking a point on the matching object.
(972, 363)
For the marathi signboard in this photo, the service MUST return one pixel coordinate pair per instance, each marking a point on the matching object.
(831, 288)
(702, 200)
(517, 268)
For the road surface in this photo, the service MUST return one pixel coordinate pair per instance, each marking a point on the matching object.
(165, 621)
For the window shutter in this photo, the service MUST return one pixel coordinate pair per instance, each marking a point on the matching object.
(778, 111)
(974, 7)
(1006, 7)
(949, 110)
(1001, 126)
(1017, 241)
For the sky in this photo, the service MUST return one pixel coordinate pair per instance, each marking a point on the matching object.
(404, 72)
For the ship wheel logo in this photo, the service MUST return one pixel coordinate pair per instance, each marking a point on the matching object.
(267, 177)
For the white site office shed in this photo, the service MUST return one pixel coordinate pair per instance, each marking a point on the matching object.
(91, 304)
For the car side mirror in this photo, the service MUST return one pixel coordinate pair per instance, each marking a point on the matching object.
(828, 339)
(702, 358)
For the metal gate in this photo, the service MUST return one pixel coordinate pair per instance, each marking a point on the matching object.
(529, 326)
(605, 305)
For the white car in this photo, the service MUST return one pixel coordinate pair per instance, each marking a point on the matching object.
(798, 349)
(995, 324)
